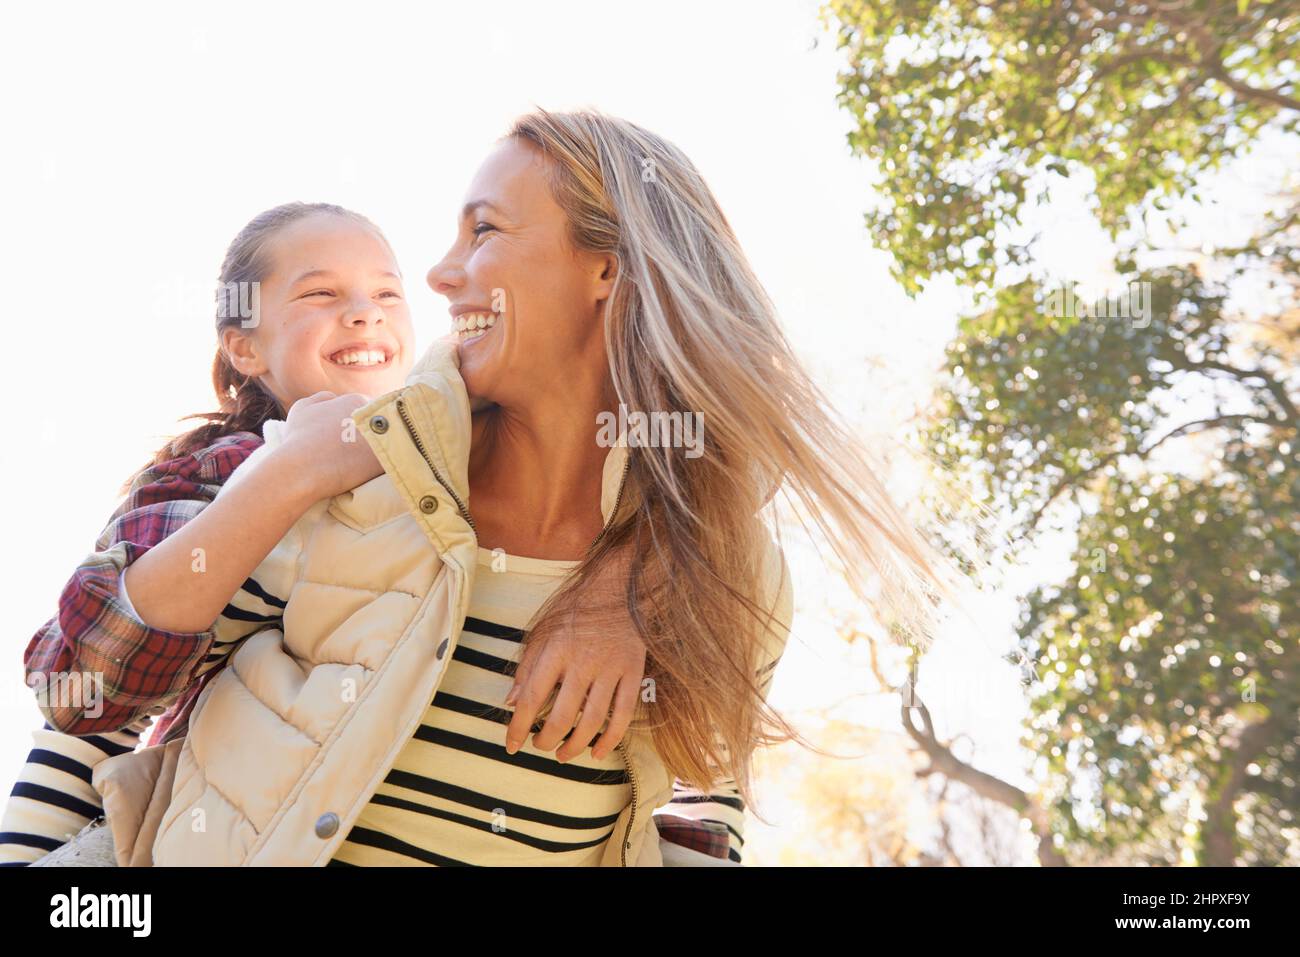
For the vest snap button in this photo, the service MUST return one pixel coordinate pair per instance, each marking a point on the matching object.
(327, 824)
(378, 424)
(428, 504)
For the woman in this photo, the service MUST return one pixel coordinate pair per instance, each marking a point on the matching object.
(625, 285)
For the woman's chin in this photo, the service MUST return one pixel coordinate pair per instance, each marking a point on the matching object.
(478, 380)
(475, 365)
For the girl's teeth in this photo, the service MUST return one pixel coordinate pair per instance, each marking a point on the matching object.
(470, 325)
(363, 358)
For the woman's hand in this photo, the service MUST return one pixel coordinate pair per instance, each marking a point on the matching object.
(317, 435)
(599, 671)
(598, 663)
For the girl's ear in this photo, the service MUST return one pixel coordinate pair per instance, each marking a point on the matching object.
(242, 351)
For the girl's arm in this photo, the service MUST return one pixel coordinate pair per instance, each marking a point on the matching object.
(95, 667)
(93, 632)
(182, 584)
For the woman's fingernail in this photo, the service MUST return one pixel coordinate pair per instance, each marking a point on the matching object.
(512, 747)
(514, 693)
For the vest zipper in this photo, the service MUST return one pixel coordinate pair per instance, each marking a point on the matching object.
(631, 817)
(406, 419)
(618, 500)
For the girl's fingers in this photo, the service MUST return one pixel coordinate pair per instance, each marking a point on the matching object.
(621, 718)
(594, 712)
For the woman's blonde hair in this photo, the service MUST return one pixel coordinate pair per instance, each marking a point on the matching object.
(690, 329)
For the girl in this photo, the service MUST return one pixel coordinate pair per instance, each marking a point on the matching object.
(329, 327)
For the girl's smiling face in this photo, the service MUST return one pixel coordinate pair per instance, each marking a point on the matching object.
(333, 314)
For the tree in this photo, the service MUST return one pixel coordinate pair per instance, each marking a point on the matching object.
(1167, 701)
(1168, 659)
(968, 107)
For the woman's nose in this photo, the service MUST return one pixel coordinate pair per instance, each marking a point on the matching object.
(445, 276)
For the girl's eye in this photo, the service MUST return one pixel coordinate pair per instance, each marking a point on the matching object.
(318, 292)
(482, 228)
(395, 295)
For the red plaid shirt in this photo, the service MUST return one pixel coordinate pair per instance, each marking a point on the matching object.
(142, 669)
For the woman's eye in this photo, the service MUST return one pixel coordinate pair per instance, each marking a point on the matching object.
(482, 228)
(395, 295)
(318, 292)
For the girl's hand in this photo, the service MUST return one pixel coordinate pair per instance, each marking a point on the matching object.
(599, 660)
(319, 435)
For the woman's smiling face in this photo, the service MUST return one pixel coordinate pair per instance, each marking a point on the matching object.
(532, 301)
(333, 314)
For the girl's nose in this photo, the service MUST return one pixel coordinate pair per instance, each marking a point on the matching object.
(364, 312)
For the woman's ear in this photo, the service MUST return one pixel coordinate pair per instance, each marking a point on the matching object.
(606, 268)
(242, 352)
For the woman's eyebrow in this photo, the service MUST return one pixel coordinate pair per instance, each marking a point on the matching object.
(469, 208)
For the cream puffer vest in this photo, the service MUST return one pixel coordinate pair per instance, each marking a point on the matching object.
(287, 744)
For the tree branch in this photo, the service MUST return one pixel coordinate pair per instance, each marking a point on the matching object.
(1071, 481)
(943, 761)
(1219, 838)
(1274, 387)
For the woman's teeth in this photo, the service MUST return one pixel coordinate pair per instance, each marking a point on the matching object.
(471, 324)
(359, 358)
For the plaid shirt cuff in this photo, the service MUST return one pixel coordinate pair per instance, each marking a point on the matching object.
(128, 671)
(707, 837)
(133, 670)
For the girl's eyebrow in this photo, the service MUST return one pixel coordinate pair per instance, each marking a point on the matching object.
(312, 274)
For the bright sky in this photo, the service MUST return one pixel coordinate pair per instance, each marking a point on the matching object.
(140, 142)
